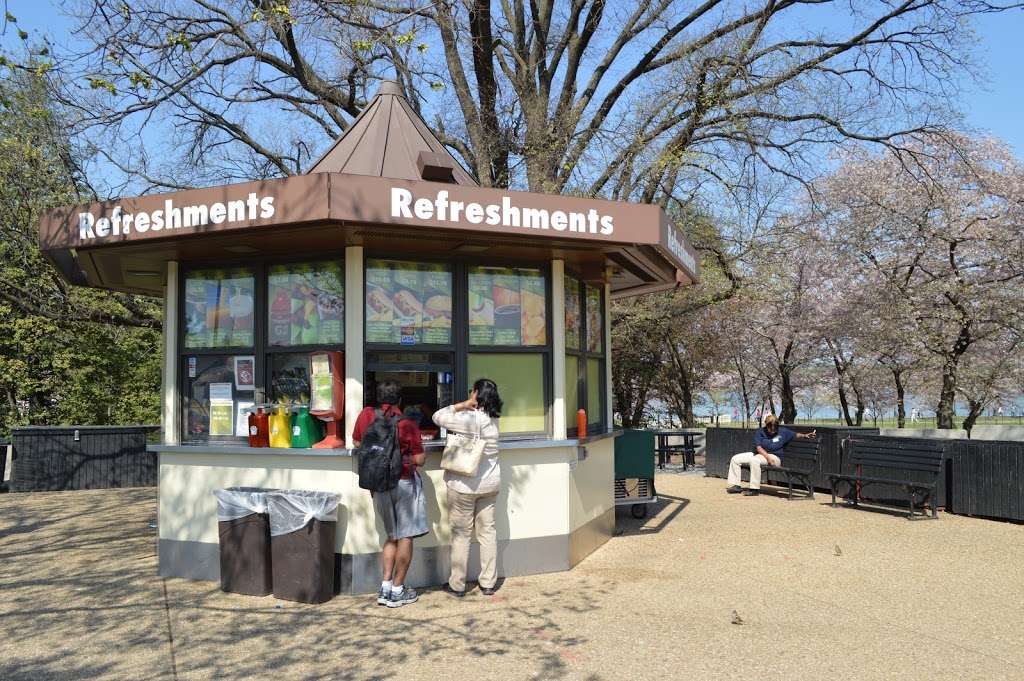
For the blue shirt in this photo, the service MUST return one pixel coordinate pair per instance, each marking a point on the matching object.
(773, 444)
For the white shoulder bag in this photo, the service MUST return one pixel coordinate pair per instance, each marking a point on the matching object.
(462, 452)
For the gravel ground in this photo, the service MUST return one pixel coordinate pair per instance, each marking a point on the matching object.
(820, 592)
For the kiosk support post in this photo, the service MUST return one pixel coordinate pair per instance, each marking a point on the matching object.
(354, 310)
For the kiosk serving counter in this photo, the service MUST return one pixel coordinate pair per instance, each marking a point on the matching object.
(385, 261)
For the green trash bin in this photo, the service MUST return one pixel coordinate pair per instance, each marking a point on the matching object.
(634, 460)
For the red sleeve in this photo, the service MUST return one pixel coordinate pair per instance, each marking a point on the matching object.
(409, 437)
(363, 421)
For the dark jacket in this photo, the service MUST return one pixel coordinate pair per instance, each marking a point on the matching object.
(773, 444)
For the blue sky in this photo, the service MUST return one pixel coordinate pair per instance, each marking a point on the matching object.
(993, 104)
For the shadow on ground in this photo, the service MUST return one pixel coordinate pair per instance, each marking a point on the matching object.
(82, 600)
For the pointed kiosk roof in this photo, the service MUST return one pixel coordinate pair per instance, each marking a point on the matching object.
(389, 139)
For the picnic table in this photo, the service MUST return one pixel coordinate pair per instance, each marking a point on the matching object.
(688, 448)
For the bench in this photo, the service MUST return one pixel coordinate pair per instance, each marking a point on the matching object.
(800, 457)
(918, 458)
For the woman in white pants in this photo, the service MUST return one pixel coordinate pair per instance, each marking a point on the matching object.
(472, 499)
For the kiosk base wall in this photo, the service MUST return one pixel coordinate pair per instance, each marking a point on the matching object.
(555, 508)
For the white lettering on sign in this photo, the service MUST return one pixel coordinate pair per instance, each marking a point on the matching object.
(675, 245)
(171, 217)
(441, 209)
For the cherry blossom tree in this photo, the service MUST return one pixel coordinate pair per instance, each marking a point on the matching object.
(939, 234)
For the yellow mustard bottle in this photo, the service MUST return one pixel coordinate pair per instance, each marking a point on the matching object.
(280, 427)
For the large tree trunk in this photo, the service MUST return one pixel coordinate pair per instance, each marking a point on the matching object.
(844, 401)
(945, 412)
(788, 414)
(859, 418)
(976, 409)
(901, 406)
(685, 383)
(947, 395)
(744, 391)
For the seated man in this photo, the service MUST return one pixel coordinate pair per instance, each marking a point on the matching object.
(769, 442)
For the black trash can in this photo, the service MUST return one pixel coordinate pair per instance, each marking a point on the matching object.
(302, 529)
(243, 527)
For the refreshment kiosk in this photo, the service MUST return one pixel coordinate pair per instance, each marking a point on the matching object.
(384, 261)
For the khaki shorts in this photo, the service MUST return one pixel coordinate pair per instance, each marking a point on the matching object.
(403, 509)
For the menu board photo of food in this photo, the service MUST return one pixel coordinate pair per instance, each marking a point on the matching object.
(572, 313)
(408, 303)
(405, 297)
(595, 330)
(437, 304)
(306, 304)
(508, 315)
(219, 307)
(380, 310)
(531, 301)
(330, 303)
(507, 307)
(481, 306)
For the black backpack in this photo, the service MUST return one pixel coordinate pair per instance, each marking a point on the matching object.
(380, 454)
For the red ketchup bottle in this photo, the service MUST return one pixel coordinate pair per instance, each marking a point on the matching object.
(581, 423)
(259, 428)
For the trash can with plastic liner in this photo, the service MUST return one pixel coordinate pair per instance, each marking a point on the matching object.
(302, 529)
(244, 531)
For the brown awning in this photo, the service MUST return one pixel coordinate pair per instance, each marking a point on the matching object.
(122, 244)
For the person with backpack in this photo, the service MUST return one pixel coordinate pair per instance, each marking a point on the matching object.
(472, 499)
(390, 450)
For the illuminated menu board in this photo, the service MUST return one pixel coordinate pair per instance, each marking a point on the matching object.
(306, 304)
(219, 306)
(507, 306)
(408, 303)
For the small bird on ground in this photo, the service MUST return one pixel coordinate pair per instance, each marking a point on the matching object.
(837, 551)
(736, 619)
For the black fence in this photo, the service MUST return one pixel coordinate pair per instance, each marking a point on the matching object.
(83, 457)
(3, 463)
(986, 478)
(981, 477)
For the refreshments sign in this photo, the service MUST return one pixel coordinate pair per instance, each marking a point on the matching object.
(172, 216)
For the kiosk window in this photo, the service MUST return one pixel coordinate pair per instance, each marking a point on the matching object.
(573, 318)
(520, 379)
(408, 303)
(219, 307)
(595, 320)
(507, 307)
(572, 386)
(306, 304)
(595, 405)
(219, 390)
(426, 380)
(584, 354)
(289, 378)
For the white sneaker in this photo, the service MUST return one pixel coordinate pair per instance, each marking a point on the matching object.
(397, 600)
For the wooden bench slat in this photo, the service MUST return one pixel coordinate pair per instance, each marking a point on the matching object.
(866, 478)
(896, 450)
(896, 458)
(901, 467)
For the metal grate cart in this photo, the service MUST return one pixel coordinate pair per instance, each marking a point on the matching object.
(634, 471)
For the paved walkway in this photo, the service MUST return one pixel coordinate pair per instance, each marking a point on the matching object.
(852, 594)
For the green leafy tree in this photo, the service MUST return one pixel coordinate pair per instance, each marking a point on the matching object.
(67, 354)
